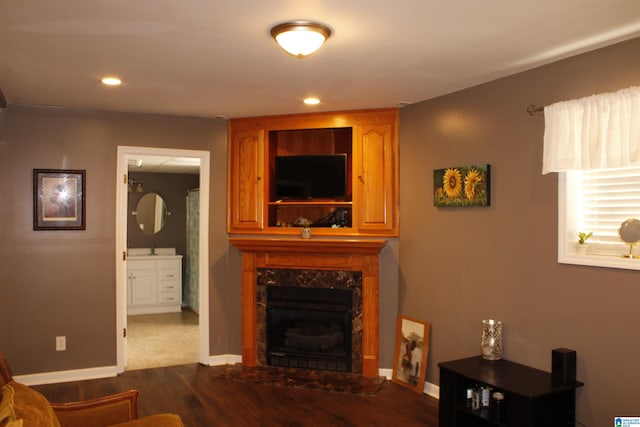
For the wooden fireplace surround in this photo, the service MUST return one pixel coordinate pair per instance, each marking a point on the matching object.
(314, 254)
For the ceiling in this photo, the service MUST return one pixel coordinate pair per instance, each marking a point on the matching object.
(164, 164)
(216, 58)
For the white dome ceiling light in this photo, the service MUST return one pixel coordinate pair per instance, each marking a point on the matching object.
(300, 38)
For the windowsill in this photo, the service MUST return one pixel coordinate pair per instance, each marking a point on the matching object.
(609, 261)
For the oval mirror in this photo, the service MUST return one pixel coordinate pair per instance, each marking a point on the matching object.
(151, 213)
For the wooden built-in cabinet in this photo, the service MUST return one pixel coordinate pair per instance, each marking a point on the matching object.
(246, 169)
(369, 139)
(376, 178)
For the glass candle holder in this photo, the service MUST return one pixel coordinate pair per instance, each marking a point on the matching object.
(491, 345)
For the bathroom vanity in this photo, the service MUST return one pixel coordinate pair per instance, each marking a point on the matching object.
(154, 283)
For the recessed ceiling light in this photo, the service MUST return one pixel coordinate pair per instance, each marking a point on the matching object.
(312, 101)
(111, 81)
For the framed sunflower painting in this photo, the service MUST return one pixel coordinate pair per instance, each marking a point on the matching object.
(461, 186)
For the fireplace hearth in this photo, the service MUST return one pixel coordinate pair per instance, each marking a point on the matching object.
(309, 328)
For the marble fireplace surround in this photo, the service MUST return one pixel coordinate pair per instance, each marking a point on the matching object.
(341, 255)
(305, 278)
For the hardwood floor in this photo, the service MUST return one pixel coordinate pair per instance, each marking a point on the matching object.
(192, 392)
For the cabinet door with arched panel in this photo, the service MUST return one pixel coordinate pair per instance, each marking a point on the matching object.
(376, 183)
(246, 181)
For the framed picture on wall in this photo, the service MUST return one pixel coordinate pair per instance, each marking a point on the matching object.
(462, 186)
(411, 355)
(58, 199)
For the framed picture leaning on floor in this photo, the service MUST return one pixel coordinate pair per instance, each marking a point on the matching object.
(411, 354)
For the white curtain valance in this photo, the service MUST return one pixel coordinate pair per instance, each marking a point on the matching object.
(596, 132)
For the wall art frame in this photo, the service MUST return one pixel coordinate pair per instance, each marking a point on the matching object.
(59, 199)
(462, 186)
(411, 353)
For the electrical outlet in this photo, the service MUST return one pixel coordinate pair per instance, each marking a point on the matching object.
(61, 343)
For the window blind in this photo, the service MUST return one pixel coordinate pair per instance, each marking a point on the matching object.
(608, 197)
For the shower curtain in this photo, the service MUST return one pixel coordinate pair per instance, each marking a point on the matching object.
(190, 297)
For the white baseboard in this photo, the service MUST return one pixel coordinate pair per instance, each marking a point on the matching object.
(101, 372)
(431, 390)
(387, 373)
(67, 376)
(111, 371)
(224, 359)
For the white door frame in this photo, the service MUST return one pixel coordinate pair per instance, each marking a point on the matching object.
(124, 154)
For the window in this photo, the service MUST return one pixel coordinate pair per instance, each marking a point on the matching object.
(593, 143)
(598, 201)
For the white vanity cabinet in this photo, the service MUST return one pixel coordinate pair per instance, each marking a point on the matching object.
(169, 274)
(142, 283)
(154, 284)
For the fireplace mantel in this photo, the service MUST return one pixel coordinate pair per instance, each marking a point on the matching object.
(320, 254)
(316, 246)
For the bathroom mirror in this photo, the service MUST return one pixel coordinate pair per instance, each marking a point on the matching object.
(151, 213)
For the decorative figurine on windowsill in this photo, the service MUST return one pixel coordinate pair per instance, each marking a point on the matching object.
(582, 247)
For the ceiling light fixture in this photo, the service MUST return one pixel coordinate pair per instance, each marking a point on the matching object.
(300, 38)
(111, 81)
(311, 101)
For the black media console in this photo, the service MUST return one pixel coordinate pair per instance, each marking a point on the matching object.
(531, 398)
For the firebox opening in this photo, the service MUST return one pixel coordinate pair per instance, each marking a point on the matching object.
(309, 328)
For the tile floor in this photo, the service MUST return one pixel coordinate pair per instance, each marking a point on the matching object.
(167, 339)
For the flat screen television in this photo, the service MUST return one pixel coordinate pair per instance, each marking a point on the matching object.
(322, 176)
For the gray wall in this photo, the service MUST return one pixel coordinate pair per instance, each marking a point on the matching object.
(63, 282)
(461, 265)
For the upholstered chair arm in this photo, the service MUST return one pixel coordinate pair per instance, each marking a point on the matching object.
(103, 411)
(5, 372)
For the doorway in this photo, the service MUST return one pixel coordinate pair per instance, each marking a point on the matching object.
(179, 158)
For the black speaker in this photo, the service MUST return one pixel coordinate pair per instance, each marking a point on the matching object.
(563, 366)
